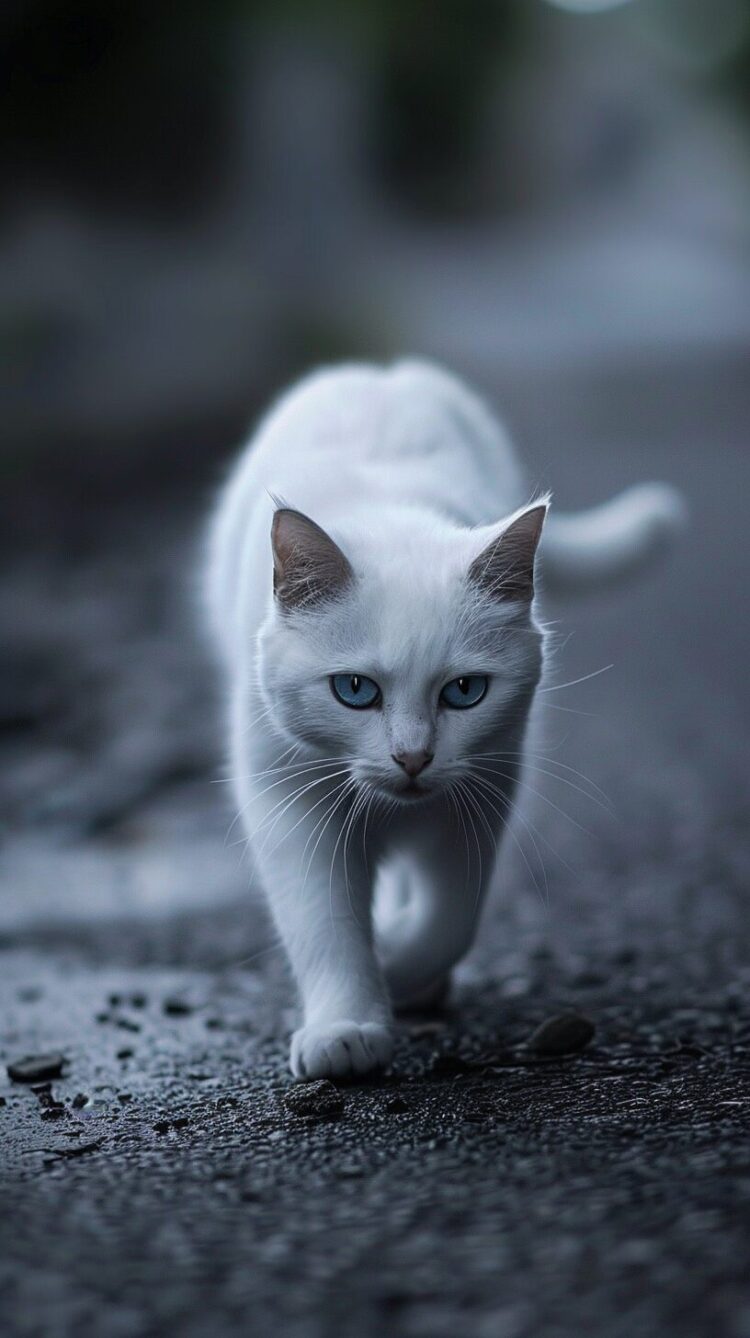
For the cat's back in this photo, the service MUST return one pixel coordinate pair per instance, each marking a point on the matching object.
(364, 415)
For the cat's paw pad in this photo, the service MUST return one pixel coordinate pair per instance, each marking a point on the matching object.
(340, 1049)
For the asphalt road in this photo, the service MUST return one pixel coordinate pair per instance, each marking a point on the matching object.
(172, 1180)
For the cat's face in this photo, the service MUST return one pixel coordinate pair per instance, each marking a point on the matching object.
(408, 662)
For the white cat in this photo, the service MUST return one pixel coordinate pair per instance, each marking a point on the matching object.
(371, 583)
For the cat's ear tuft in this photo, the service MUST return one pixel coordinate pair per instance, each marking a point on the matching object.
(308, 567)
(505, 568)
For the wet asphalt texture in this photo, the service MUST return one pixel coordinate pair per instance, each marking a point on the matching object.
(164, 1175)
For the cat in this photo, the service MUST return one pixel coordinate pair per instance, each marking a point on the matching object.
(370, 582)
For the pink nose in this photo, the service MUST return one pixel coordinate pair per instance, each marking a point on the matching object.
(413, 763)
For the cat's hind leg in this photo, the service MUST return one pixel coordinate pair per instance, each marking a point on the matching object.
(427, 903)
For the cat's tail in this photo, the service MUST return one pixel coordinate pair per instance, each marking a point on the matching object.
(609, 542)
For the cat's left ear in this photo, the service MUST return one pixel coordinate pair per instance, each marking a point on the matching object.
(505, 567)
(308, 567)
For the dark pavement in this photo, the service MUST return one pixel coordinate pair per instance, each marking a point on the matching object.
(167, 1183)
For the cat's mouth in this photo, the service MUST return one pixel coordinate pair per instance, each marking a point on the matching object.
(409, 792)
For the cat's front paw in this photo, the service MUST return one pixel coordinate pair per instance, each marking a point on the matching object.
(340, 1049)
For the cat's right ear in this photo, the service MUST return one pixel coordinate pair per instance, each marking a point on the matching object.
(308, 567)
(505, 568)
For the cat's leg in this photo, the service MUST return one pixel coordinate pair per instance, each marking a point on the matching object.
(319, 892)
(431, 1000)
(442, 880)
(395, 921)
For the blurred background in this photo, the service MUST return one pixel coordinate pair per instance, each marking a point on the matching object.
(200, 202)
(198, 205)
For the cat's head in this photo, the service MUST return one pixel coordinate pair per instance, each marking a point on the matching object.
(404, 653)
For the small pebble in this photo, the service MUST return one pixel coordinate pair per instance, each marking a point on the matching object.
(177, 1008)
(36, 1068)
(79, 1101)
(125, 1053)
(565, 1034)
(45, 1096)
(314, 1100)
(395, 1105)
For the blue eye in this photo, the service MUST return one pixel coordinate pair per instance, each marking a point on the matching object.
(463, 692)
(355, 690)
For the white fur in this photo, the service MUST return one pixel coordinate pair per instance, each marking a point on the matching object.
(412, 477)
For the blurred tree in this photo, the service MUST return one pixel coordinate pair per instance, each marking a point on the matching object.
(437, 66)
(123, 103)
(129, 106)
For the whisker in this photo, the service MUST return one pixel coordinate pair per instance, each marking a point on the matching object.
(558, 687)
(569, 710)
(255, 956)
(603, 802)
(275, 770)
(530, 827)
(466, 834)
(508, 827)
(545, 799)
(471, 798)
(343, 790)
(307, 811)
(294, 774)
(467, 796)
(346, 830)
